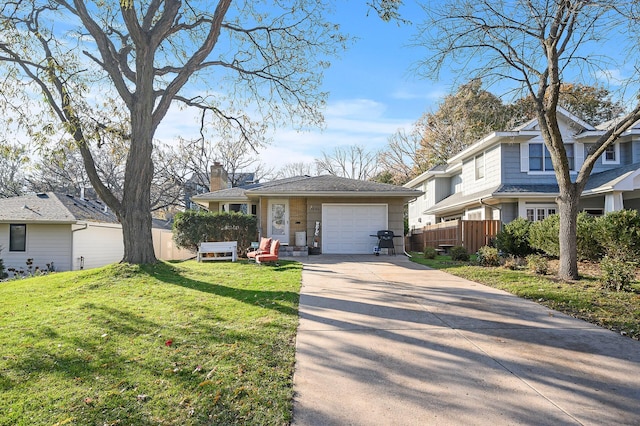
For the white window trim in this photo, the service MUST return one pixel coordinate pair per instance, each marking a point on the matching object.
(616, 151)
(524, 159)
(524, 205)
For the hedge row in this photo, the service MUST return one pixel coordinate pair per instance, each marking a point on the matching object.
(190, 228)
(616, 234)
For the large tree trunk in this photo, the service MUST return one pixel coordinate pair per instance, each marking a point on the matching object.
(135, 214)
(568, 207)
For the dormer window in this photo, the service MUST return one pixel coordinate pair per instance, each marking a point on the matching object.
(611, 154)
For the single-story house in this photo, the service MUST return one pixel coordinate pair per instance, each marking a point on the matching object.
(62, 231)
(334, 214)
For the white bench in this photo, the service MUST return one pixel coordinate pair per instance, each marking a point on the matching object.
(218, 247)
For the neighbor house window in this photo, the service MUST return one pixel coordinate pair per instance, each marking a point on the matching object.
(610, 154)
(539, 213)
(540, 157)
(568, 147)
(480, 166)
(17, 237)
(536, 157)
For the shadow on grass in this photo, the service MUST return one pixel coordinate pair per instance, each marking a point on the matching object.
(115, 358)
(173, 274)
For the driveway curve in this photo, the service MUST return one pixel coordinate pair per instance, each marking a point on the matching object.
(385, 341)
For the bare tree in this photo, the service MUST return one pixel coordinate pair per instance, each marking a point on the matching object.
(403, 158)
(76, 54)
(185, 167)
(535, 44)
(13, 162)
(353, 162)
(297, 169)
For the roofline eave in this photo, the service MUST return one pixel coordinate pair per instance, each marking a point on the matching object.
(343, 194)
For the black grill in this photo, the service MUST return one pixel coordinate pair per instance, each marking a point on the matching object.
(385, 240)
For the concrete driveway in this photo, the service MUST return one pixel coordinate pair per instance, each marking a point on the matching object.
(383, 341)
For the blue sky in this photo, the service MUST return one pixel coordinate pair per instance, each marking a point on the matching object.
(372, 92)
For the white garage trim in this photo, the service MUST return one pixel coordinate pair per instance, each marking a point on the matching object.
(347, 228)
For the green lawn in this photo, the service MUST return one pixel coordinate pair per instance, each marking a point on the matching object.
(584, 299)
(174, 344)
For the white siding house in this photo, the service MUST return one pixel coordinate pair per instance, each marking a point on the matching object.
(60, 232)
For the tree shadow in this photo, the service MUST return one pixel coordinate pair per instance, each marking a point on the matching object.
(276, 300)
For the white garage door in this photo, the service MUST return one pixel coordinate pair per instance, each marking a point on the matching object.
(347, 228)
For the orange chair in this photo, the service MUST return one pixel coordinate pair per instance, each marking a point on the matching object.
(263, 248)
(273, 253)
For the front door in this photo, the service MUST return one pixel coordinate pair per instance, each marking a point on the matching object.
(279, 220)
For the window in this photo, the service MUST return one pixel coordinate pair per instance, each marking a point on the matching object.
(539, 213)
(610, 154)
(536, 156)
(540, 158)
(17, 237)
(568, 147)
(479, 166)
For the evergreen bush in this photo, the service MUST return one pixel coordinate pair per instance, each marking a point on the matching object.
(619, 234)
(190, 228)
(430, 253)
(459, 253)
(514, 238)
(589, 248)
(544, 235)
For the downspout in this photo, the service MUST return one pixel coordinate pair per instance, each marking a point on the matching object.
(86, 225)
(482, 203)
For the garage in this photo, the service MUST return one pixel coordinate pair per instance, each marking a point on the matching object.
(347, 228)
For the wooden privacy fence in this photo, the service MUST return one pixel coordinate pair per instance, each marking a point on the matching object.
(471, 234)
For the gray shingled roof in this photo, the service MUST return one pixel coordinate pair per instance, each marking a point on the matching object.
(458, 198)
(527, 189)
(309, 186)
(596, 180)
(333, 184)
(52, 207)
(607, 178)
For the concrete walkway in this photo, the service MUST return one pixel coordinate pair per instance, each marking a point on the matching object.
(383, 341)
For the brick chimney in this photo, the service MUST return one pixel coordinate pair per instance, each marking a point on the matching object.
(219, 178)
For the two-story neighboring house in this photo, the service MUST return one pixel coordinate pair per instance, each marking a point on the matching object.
(509, 174)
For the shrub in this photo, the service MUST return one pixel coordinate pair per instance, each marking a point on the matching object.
(619, 234)
(544, 235)
(514, 238)
(488, 256)
(617, 274)
(3, 274)
(191, 228)
(459, 253)
(589, 248)
(514, 263)
(430, 253)
(538, 264)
